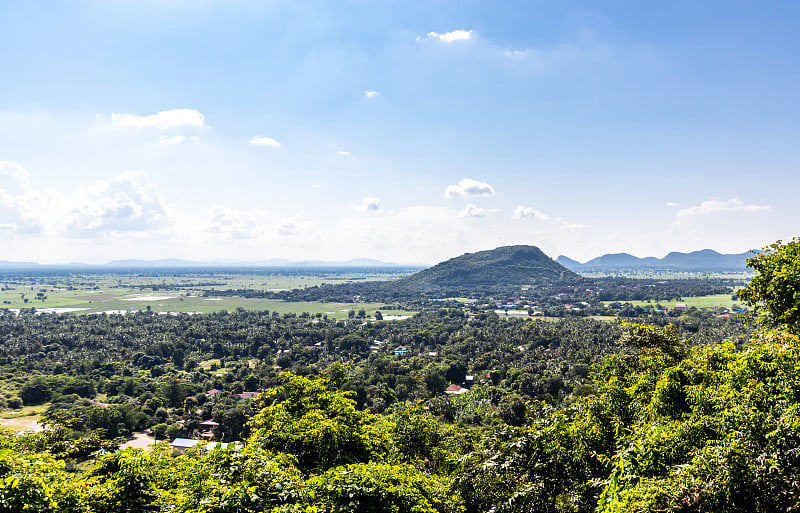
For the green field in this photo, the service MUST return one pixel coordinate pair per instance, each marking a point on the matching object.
(716, 300)
(109, 293)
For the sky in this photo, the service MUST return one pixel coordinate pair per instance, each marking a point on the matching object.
(406, 131)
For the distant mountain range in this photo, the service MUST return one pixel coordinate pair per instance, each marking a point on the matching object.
(178, 263)
(518, 262)
(706, 260)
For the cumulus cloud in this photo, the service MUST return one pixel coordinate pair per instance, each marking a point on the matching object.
(368, 205)
(475, 211)
(23, 211)
(164, 120)
(260, 140)
(128, 202)
(716, 206)
(720, 224)
(24, 214)
(13, 177)
(469, 187)
(449, 37)
(295, 226)
(371, 94)
(237, 223)
(528, 213)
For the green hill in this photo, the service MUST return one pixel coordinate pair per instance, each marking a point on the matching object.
(502, 267)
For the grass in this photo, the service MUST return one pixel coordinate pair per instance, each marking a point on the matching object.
(26, 411)
(712, 301)
(206, 364)
(181, 293)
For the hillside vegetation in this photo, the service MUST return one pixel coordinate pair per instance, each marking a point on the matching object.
(504, 266)
(663, 421)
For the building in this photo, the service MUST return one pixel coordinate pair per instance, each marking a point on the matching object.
(244, 395)
(455, 389)
(181, 445)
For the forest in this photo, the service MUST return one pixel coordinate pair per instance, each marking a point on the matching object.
(457, 409)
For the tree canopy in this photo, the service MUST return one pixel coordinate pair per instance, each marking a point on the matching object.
(775, 291)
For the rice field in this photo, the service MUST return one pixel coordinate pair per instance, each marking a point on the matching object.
(119, 294)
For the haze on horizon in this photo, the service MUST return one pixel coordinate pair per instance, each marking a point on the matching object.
(401, 131)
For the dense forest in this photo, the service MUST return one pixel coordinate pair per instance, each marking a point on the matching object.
(456, 409)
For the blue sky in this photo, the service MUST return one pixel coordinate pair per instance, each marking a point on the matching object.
(404, 131)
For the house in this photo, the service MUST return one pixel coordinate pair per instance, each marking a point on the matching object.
(401, 350)
(244, 395)
(181, 445)
(209, 425)
(680, 306)
(455, 389)
(213, 391)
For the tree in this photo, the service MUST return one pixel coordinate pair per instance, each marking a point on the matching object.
(774, 293)
(318, 424)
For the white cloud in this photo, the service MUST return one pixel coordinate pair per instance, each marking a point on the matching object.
(528, 213)
(13, 177)
(23, 211)
(716, 206)
(450, 37)
(296, 226)
(343, 153)
(315, 186)
(475, 211)
(128, 202)
(164, 120)
(723, 225)
(517, 53)
(237, 223)
(260, 140)
(469, 187)
(24, 214)
(368, 205)
(164, 139)
(371, 94)
(673, 204)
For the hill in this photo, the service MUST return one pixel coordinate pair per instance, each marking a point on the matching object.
(507, 266)
(706, 260)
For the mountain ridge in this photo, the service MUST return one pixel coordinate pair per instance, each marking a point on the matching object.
(701, 260)
(499, 267)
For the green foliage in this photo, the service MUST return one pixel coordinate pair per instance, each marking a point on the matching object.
(31, 482)
(248, 480)
(126, 482)
(774, 292)
(318, 424)
(510, 265)
(653, 339)
(382, 488)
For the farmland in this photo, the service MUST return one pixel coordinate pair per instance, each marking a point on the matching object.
(178, 291)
